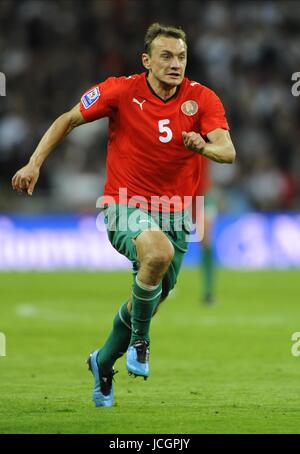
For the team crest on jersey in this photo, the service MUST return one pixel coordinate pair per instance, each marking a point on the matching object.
(90, 97)
(189, 107)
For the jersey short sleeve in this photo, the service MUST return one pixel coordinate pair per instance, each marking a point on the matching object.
(213, 113)
(101, 100)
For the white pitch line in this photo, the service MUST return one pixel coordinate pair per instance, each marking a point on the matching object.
(53, 315)
(26, 310)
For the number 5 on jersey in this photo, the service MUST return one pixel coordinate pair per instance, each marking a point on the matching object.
(165, 130)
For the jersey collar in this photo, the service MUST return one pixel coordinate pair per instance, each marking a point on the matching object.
(153, 92)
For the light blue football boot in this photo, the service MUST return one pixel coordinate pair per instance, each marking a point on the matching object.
(137, 359)
(103, 393)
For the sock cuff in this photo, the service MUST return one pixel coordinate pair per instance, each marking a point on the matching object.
(125, 316)
(146, 287)
(147, 299)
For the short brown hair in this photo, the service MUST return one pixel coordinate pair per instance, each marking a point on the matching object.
(157, 29)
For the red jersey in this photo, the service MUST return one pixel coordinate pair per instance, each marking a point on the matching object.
(146, 154)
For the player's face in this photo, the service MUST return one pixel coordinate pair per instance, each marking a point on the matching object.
(167, 61)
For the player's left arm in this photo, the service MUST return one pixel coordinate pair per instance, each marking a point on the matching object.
(219, 147)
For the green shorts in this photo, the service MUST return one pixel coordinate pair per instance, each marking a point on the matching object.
(125, 223)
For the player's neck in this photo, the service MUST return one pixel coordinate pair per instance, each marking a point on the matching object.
(163, 91)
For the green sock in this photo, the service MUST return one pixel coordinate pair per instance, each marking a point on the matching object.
(208, 270)
(144, 301)
(117, 341)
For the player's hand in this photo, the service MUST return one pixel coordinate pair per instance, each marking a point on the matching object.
(193, 141)
(25, 179)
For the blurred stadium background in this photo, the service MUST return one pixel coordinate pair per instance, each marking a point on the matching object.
(51, 51)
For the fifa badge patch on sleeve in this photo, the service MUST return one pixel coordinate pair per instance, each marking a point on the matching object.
(90, 97)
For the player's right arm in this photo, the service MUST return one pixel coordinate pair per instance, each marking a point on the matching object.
(27, 176)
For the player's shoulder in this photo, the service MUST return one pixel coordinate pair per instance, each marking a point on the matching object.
(197, 89)
(123, 81)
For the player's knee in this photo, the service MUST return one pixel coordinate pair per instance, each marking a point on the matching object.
(160, 258)
(155, 250)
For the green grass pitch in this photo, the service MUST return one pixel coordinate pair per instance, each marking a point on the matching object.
(227, 368)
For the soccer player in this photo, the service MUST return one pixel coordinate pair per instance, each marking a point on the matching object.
(160, 124)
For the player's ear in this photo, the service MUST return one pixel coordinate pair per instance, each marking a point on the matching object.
(146, 60)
